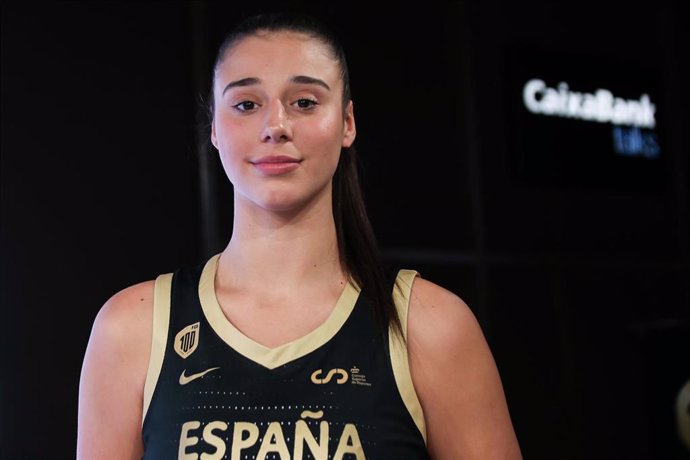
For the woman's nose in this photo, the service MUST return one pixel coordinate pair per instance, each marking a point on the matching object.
(277, 126)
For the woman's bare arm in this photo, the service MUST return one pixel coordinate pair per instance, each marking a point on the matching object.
(113, 376)
(456, 379)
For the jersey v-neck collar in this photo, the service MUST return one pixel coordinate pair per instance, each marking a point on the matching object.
(271, 358)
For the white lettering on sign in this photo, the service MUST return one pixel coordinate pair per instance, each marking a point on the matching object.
(601, 106)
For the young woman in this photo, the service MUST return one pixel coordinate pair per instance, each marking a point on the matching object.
(293, 342)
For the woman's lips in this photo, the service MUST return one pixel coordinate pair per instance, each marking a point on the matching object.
(276, 164)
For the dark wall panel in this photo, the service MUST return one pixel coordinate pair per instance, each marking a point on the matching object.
(97, 191)
(531, 348)
(587, 278)
(622, 372)
(610, 209)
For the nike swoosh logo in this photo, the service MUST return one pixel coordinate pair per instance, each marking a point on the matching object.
(185, 379)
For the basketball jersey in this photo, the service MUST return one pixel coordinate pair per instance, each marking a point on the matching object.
(341, 392)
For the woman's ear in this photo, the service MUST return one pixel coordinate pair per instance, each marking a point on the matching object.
(349, 127)
(214, 140)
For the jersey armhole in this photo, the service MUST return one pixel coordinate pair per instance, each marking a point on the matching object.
(398, 349)
(159, 336)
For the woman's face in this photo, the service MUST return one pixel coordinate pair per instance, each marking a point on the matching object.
(278, 121)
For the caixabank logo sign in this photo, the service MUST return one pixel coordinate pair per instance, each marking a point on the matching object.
(583, 120)
(633, 120)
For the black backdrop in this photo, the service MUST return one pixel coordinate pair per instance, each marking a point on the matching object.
(582, 290)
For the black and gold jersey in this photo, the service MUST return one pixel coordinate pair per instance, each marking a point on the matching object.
(341, 392)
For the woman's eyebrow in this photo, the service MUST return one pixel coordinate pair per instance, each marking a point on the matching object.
(242, 82)
(301, 79)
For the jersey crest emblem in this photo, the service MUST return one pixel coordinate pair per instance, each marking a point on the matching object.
(187, 340)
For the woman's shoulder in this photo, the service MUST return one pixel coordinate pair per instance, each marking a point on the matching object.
(123, 324)
(128, 307)
(444, 335)
(439, 316)
(122, 330)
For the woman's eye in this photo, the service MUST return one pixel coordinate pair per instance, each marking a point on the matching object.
(245, 106)
(306, 103)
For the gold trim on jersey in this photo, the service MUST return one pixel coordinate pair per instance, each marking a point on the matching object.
(270, 358)
(398, 347)
(161, 318)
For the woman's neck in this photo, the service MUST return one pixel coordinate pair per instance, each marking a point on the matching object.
(275, 250)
